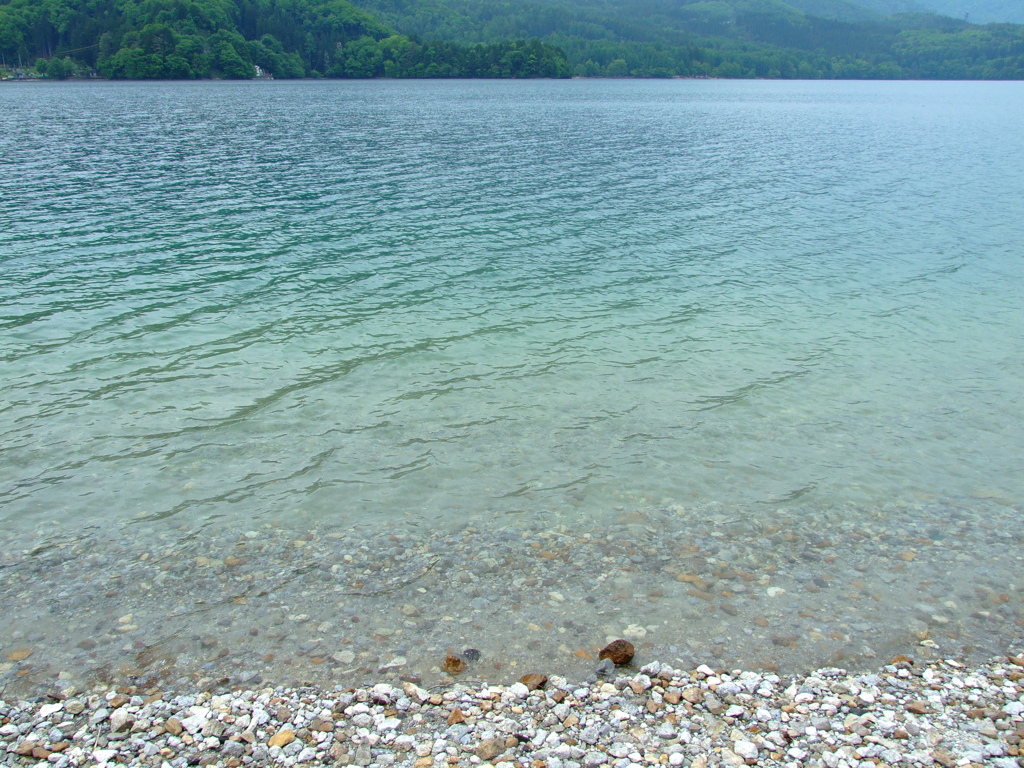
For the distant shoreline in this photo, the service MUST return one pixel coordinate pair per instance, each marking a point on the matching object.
(501, 79)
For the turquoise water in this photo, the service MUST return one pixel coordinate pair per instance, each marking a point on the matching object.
(431, 299)
(321, 381)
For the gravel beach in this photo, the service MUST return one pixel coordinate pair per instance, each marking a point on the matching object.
(908, 713)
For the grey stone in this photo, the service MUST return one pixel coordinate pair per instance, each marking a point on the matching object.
(121, 720)
(363, 756)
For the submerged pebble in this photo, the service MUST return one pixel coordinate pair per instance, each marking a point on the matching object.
(161, 606)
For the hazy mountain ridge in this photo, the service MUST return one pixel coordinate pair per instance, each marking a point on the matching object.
(765, 38)
(980, 11)
(976, 11)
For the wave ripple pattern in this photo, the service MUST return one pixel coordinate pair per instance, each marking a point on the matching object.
(359, 301)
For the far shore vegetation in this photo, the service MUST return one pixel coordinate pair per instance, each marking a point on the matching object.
(283, 39)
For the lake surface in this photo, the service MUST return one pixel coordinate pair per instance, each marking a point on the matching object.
(412, 354)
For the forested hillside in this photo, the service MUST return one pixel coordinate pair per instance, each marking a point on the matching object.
(725, 38)
(184, 39)
(503, 38)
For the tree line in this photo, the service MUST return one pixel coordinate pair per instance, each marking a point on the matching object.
(724, 38)
(189, 39)
(149, 39)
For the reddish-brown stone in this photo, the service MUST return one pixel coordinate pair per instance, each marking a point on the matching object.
(456, 716)
(533, 681)
(453, 665)
(619, 651)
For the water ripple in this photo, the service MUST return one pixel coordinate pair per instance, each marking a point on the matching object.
(437, 298)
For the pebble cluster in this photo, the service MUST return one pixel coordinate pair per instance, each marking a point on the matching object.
(785, 590)
(907, 714)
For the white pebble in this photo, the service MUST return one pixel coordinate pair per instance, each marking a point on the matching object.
(519, 690)
(745, 749)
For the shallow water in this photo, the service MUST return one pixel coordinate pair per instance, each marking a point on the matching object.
(685, 330)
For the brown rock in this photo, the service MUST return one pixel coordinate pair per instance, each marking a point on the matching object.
(456, 716)
(1018, 660)
(19, 655)
(118, 701)
(671, 697)
(533, 681)
(453, 665)
(40, 753)
(281, 738)
(619, 651)
(323, 726)
(337, 750)
(917, 707)
(60, 746)
(490, 748)
(25, 748)
(693, 695)
(173, 726)
(558, 696)
(231, 561)
(902, 659)
(976, 714)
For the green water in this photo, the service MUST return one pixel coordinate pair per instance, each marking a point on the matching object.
(371, 300)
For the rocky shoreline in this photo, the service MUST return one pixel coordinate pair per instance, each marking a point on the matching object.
(908, 713)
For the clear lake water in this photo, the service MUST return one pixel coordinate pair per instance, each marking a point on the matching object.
(327, 380)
